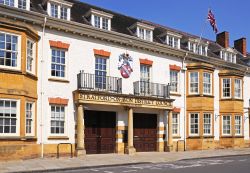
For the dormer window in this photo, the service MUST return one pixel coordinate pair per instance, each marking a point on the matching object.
(198, 47)
(172, 39)
(228, 56)
(100, 19)
(143, 31)
(59, 9)
(22, 4)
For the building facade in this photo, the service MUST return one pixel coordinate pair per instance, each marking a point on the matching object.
(76, 75)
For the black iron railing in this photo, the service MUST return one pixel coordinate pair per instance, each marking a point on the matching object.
(87, 81)
(144, 88)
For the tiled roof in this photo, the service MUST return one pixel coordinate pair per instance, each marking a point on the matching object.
(121, 23)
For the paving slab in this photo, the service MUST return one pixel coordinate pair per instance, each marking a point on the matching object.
(101, 160)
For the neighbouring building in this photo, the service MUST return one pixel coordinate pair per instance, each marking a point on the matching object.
(76, 75)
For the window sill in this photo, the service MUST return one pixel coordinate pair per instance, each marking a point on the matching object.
(200, 95)
(31, 75)
(10, 70)
(58, 80)
(194, 137)
(231, 99)
(58, 138)
(226, 136)
(29, 138)
(175, 94)
(14, 138)
(176, 137)
(208, 136)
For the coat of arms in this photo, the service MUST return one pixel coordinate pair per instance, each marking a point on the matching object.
(125, 65)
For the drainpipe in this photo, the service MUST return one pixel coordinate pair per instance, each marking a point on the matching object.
(184, 87)
(42, 92)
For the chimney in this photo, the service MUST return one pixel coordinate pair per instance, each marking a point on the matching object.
(223, 39)
(241, 45)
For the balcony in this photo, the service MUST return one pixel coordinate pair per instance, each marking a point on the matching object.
(144, 88)
(92, 82)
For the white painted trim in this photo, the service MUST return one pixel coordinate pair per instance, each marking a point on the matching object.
(193, 134)
(18, 117)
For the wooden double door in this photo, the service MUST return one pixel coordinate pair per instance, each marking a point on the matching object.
(100, 132)
(145, 132)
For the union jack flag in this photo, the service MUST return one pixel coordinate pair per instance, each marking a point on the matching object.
(211, 19)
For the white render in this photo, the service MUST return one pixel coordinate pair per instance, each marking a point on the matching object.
(80, 56)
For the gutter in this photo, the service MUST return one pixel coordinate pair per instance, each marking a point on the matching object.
(184, 87)
(42, 91)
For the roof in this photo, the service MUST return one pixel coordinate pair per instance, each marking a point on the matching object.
(121, 23)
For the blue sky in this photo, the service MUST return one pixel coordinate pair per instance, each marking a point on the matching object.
(188, 15)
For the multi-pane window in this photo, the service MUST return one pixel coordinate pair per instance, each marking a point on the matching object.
(194, 124)
(194, 82)
(175, 124)
(228, 56)
(148, 35)
(54, 10)
(237, 88)
(198, 48)
(226, 88)
(207, 83)
(8, 117)
(145, 78)
(191, 46)
(238, 125)
(8, 50)
(57, 119)
(141, 33)
(174, 81)
(105, 23)
(29, 55)
(207, 124)
(29, 118)
(226, 124)
(58, 63)
(100, 72)
(7, 2)
(64, 13)
(97, 21)
(173, 41)
(22, 4)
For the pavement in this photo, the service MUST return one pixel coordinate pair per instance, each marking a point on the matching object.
(105, 160)
(219, 164)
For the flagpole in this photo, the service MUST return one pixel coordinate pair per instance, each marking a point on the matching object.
(202, 30)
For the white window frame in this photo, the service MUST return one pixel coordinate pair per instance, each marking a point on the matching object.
(198, 133)
(177, 81)
(33, 64)
(18, 67)
(211, 83)
(59, 6)
(16, 4)
(142, 33)
(32, 119)
(222, 92)
(176, 124)
(190, 83)
(238, 89)
(226, 134)
(241, 127)
(102, 18)
(17, 119)
(207, 134)
(66, 64)
(65, 120)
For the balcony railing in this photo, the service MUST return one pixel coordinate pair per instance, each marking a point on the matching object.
(144, 88)
(86, 81)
